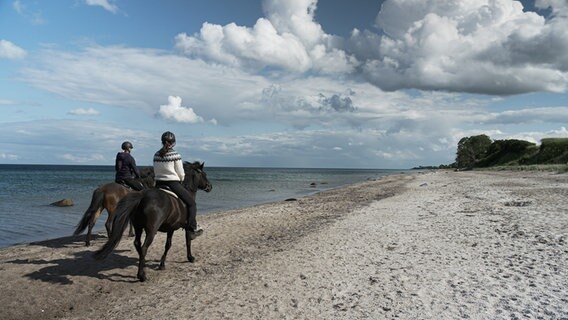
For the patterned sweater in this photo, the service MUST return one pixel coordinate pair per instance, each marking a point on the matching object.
(168, 167)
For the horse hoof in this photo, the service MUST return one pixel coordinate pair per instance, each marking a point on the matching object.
(142, 277)
(162, 267)
(191, 259)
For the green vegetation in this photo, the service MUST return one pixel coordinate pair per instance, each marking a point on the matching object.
(480, 152)
(560, 168)
(507, 152)
(551, 151)
(471, 150)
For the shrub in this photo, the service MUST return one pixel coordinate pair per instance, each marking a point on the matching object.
(472, 149)
(551, 151)
(507, 152)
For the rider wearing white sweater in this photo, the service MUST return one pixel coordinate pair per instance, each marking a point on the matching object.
(168, 171)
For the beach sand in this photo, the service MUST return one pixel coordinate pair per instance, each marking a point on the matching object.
(434, 245)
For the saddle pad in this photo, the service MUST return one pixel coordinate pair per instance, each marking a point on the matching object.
(170, 192)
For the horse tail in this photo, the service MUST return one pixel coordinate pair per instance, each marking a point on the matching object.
(124, 210)
(90, 214)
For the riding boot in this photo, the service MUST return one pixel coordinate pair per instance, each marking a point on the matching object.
(194, 229)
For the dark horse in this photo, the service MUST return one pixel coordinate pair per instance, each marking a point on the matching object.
(154, 210)
(107, 197)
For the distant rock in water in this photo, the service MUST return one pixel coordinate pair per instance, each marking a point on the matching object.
(290, 199)
(313, 184)
(63, 203)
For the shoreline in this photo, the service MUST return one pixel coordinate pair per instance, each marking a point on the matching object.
(100, 231)
(233, 190)
(436, 245)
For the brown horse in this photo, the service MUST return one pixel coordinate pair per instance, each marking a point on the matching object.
(107, 197)
(154, 210)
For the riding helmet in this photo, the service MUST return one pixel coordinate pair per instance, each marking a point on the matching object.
(168, 137)
(127, 145)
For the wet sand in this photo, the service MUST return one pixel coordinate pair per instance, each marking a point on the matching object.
(436, 245)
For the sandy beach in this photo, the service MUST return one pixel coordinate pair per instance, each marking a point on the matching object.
(433, 245)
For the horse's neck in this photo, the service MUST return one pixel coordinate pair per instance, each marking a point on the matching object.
(192, 186)
(148, 182)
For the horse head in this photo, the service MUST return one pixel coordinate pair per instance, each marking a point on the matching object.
(195, 177)
(147, 177)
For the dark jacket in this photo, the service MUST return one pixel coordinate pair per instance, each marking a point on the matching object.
(125, 166)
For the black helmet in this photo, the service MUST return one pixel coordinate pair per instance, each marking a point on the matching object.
(169, 138)
(127, 145)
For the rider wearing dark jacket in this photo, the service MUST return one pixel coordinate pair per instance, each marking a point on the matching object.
(125, 167)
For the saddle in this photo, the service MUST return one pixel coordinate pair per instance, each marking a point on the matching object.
(127, 186)
(167, 190)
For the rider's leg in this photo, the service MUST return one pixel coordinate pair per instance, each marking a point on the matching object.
(189, 201)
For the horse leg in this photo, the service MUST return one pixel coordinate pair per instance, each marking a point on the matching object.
(130, 230)
(190, 258)
(168, 245)
(108, 223)
(137, 241)
(142, 252)
(91, 225)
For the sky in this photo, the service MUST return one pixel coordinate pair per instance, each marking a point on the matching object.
(388, 84)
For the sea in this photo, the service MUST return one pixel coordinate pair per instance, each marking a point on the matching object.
(26, 192)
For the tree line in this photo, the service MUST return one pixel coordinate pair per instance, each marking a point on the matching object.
(481, 151)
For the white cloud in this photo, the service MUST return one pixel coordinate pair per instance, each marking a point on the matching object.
(557, 6)
(295, 17)
(84, 112)
(34, 16)
(18, 6)
(86, 159)
(8, 50)
(351, 122)
(484, 46)
(528, 115)
(4, 102)
(562, 132)
(246, 48)
(8, 156)
(491, 47)
(174, 111)
(138, 78)
(533, 136)
(73, 141)
(288, 38)
(108, 5)
(338, 147)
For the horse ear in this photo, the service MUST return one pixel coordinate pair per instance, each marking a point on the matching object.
(201, 165)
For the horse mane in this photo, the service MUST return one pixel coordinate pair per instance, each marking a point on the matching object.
(192, 165)
(147, 172)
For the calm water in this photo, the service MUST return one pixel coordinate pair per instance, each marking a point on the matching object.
(27, 190)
